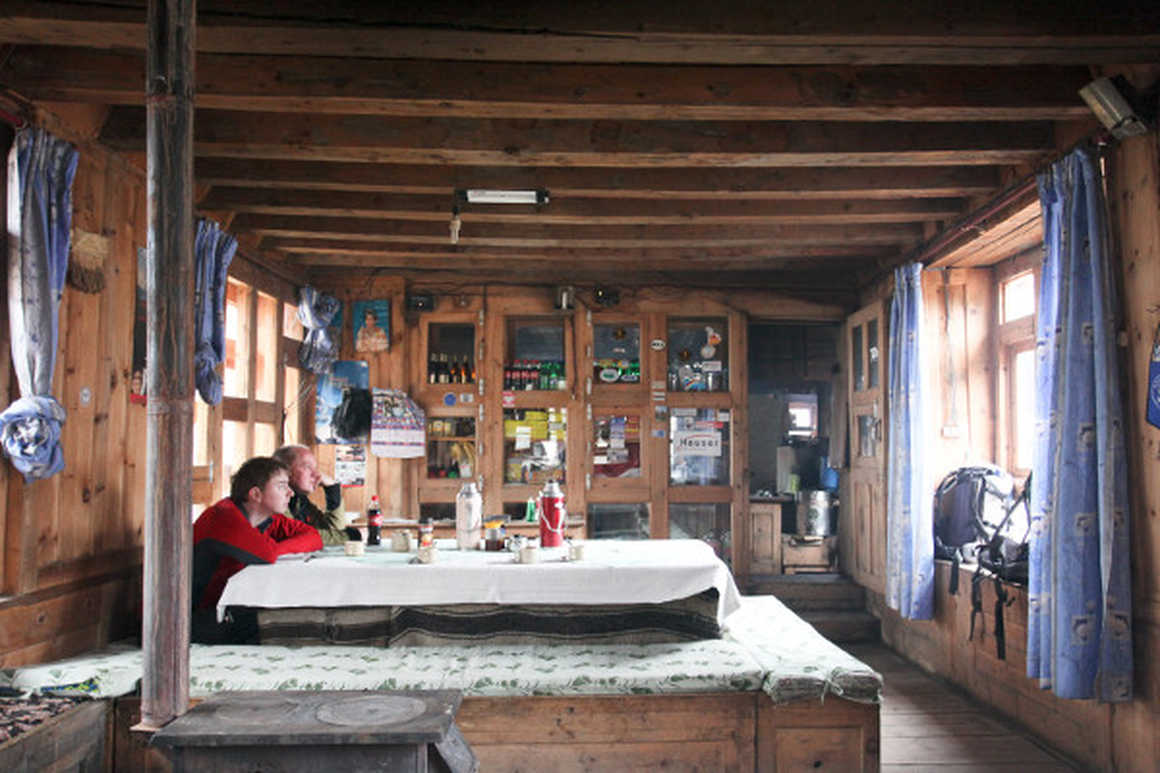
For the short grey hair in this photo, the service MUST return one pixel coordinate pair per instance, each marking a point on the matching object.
(288, 455)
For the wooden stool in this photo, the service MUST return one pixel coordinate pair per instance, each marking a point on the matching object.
(411, 730)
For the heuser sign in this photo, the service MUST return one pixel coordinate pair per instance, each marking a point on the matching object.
(696, 443)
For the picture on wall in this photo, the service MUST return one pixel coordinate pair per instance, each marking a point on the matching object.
(371, 322)
(343, 374)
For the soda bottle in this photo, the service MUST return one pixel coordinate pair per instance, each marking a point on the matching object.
(374, 522)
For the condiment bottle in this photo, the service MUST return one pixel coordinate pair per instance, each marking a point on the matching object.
(374, 521)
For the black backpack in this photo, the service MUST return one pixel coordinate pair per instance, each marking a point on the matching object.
(969, 504)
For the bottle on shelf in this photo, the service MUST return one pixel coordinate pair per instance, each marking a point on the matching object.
(374, 522)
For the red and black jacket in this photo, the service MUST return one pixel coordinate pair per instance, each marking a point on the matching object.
(224, 542)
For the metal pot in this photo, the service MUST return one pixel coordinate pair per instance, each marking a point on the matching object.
(813, 514)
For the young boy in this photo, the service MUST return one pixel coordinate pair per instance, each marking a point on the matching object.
(247, 527)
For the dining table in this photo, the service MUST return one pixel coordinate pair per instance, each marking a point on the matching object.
(611, 572)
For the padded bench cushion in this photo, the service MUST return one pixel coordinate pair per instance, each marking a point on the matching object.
(766, 647)
(798, 661)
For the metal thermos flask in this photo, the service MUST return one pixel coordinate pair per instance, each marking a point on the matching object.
(468, 517)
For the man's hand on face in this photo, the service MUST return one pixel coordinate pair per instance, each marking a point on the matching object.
(325, 480)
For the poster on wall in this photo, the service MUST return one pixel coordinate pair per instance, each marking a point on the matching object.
(350, 464)
(398, 425)
(328, 395)
(371, 321)
(140, 311)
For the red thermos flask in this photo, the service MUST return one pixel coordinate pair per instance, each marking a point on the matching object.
(551, 515)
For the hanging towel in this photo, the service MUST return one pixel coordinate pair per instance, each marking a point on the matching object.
(214, 251)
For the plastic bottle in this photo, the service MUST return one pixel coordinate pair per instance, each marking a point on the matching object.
(468, 517)
(374, 522)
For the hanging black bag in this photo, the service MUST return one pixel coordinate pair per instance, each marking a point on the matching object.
(352, 417)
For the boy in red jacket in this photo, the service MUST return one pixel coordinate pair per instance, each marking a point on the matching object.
(247, 527)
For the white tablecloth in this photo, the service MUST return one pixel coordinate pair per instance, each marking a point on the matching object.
(612, 572)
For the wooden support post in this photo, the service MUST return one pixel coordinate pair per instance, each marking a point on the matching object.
(169, 375)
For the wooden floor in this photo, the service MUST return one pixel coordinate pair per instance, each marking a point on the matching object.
(928, 724)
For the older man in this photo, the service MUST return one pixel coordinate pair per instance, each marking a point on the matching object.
(305, 477)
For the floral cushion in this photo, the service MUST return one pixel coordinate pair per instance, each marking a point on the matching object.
(798, 661)
(766, 647)
(703, 666)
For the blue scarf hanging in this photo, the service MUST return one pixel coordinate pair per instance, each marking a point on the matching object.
(40, 173)
(214, 251)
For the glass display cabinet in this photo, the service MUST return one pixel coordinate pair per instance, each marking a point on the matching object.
(535, 357)
(698, 355)
(615, 353)
(534, 445)
(699, 447)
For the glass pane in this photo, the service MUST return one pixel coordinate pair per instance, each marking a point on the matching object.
(698, 447)
(451, 354)
(618, 521)
(200, 432)
(265, 438)
(616, 446)
(237, 365)
(698, 355)
(291, 327)
(265, 370)
(535, 356)
(291, 402)
(875, 366)
(234, 450)
(867, 435)
(451, 447)
(533, 445)
(803, 415)
(616, 353)
(859, 367)
(1024, 414)
(1018, 299)
(706, 522)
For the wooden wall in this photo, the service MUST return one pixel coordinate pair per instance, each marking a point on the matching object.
(71, 563)
(1123, 737)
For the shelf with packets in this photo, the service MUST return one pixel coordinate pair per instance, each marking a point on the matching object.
(451, 457)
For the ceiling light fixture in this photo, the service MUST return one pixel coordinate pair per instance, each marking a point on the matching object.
(489, 196)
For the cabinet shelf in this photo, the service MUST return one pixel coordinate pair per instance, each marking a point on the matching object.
(447, 439)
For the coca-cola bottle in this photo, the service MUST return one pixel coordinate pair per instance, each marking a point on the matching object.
(374, 522)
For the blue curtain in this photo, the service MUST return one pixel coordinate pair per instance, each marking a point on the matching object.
(40, 176)
(1079, 623)
(214, 251)
(909, 528)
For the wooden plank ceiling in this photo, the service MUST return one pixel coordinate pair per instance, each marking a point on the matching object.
(799, 146)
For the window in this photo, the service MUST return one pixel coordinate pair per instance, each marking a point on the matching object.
(1015, 336)
(262, 387)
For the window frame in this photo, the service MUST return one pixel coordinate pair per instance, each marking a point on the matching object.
(1011, 338)
(210, 481)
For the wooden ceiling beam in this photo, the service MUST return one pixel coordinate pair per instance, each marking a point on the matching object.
(645, 32)
(596, 143)
(678, 254)
(671, 183)
(504, 235)
(566, 91)
(580, 211)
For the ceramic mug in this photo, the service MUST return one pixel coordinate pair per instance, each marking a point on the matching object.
(427, 554)
(529, 554)
(575, 551)
(354, 548)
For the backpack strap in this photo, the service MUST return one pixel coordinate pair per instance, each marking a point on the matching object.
(953, 586)
(976, 600)
(1001, 600)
